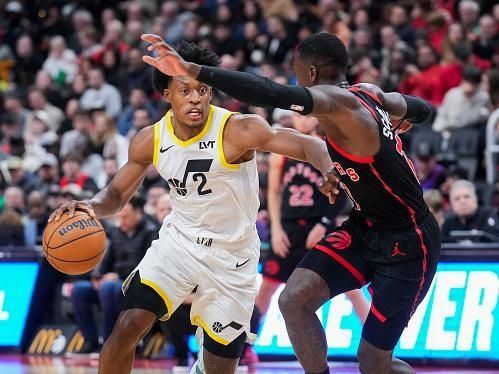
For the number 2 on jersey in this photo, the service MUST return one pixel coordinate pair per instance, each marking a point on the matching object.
(199, 168)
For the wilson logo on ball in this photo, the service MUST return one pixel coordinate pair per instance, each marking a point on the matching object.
(81, 224)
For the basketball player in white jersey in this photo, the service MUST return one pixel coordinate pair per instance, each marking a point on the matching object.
(209, 241)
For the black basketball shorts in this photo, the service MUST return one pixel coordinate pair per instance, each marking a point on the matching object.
(398, 263)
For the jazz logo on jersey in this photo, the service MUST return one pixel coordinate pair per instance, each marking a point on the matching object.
(198, 168)
(352, 174)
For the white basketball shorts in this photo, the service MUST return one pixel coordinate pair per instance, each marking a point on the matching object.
(225, 276)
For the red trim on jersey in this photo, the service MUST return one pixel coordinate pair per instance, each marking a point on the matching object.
(416, 228)
(349, 156)
(368, 107)
(373, 96)
(348, 266)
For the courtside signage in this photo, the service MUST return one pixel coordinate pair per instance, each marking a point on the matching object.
(458, 319)
(17, 282)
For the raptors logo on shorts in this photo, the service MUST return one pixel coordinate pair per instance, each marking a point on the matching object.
(340, 239)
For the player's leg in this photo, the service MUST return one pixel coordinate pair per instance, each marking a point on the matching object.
(401, 280)
(219, 358)
(155, 290)
(142, 306)
(334, 266)
(222, 306)
(360, 304)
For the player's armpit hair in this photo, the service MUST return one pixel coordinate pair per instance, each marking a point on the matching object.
(418, 110)
(258, 91)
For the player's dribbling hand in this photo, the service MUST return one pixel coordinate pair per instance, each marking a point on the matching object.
(280, 242)
(329, 185)
(71, 207)
(168, 61)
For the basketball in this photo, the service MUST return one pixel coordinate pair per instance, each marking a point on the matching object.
(74, 245)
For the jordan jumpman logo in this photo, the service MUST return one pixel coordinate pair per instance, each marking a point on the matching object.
(397, 251)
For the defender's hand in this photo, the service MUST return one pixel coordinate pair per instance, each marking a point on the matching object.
(168, 61)
(71, 207)
(329, 185)
(280, 242)
(316, 234)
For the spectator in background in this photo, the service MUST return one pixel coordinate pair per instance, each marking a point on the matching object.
(435, 201)
(77, 140)
(14, 199)
(13, 106)
(391, 42)
(469, 12)
(36, 219)
(47, 173)
(110, 168)
(101, 94)
(112, 65)
(38, 101)
(431, 174)
(11, 228)
(71, 167)
(61, 63)
(280, 42)
(8, 130)
(465, 105)
(91, 49)
(27, 62)
(107, 141)
(19, 177)
(128, 242)
(137, 74)
(141, 119)
(137, 99)
(488, 39)
(400, 21)
(427, 82)
(467, 215)
(154, 193)
(163, 208)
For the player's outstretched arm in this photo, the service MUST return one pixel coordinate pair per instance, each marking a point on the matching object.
(252, 132)
(123, 186)
(400, 106)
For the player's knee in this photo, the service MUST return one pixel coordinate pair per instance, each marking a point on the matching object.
(129, 328)
(290, 302)
(372, 363)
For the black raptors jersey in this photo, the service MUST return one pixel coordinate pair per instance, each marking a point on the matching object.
(384, 187)
(301, 197)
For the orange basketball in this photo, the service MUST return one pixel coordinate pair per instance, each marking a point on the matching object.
(74, 245)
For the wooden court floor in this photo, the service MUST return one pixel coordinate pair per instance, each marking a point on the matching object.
(17, 364)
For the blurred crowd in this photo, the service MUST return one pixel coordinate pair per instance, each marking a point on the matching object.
(74, 91)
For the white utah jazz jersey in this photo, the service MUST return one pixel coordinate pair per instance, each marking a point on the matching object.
(211, 199)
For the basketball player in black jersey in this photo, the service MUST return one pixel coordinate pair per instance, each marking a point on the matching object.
(300, 216)
(391, 240)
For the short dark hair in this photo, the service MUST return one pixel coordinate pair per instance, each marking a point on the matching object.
(190, 52)
(472, 74)
(137, 202)
(325, 50)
